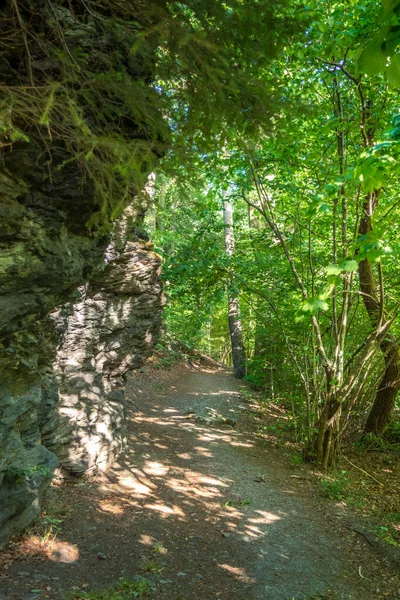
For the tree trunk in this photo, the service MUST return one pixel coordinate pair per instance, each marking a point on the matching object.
(235, 323)
(384, 402)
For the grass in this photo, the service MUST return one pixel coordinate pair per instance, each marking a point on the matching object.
(237, 503)
(384, 533)
(296, 458)
(151, 566)
(158, 548)
(389, 530)
(336, 485)
(138, 587)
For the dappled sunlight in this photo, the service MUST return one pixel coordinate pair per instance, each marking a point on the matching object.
(51, 548)
(238, 572)
(192, 484)
(253, 531)
(167, 480)
(141, 476)
(136, 486)
(110, 507)
(127, 482)
(163, 422)
(203, 451)
(230, 512)
(204, 493)
(155, 468)
(166, 511)
(264, 517)
(247, 444)
(209, 481)
(231, 393)
(143, 473)
(214, 438)
(249, 525)
(178, 485)
(194, 501)
(184, 456)
(145, 539)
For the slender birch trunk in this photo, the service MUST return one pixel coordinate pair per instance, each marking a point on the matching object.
(235, 323)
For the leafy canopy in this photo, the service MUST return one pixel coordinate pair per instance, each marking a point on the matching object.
(110, 86)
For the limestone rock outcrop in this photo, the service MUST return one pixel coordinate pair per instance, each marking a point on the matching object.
(77, 311)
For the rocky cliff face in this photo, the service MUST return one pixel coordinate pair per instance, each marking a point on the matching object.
(110, 330)
(76, 313)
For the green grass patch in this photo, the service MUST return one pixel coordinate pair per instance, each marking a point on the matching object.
(138, 587)
(336, 485)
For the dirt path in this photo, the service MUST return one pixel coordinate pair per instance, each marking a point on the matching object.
(199, 508)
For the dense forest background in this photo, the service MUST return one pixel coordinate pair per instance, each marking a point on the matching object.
(314, 197)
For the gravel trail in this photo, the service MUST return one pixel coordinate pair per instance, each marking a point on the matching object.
(197, 505)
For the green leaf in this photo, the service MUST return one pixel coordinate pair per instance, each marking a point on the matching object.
(375, 254)
(17, 135)
(313, 305)
(348, 265)
(393, 72)
(372, 60)
(333, 270)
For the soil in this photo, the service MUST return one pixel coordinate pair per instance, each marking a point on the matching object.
(197, 504)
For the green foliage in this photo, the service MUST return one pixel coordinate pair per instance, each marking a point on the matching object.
(300, 192)
(393, 518)
(335, 486)
(386, 534)
(237, 503)
(297, 458)
(389, 441)
(313, 305)
(392, 433)
(151, 566)
(111, 87)
(257, 371)
(380, 53)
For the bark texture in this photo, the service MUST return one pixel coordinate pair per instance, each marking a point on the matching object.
(382, 409)
(235, 323)
(389, 385)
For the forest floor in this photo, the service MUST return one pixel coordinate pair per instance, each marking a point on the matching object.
(198, 507)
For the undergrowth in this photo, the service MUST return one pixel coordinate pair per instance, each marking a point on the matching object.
(365, 480)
